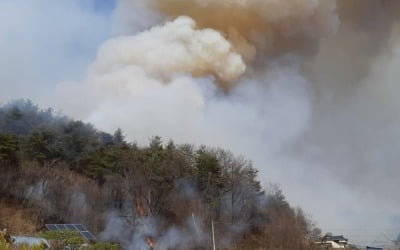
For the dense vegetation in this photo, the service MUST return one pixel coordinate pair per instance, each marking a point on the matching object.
(66, 171)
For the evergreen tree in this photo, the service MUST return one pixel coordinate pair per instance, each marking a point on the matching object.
(119, 137)
(8, 149)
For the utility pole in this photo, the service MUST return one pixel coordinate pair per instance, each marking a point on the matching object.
(213, 234)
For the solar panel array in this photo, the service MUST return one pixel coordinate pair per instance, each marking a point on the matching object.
(81, 229)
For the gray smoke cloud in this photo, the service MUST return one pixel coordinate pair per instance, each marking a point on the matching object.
(349, 148)
(306, 89)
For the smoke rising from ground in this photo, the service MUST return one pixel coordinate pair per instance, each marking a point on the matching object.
(187, 236)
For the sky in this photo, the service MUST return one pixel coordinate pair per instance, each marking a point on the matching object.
(317, 111)
(44, 42)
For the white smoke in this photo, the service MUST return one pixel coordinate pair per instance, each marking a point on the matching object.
(133, 236)
(177, 47)
(194, 110)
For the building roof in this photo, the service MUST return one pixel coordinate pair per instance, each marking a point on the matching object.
(334, 238)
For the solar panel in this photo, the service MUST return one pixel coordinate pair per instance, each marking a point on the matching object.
(80, 227)
(71, 227)
(83, 231)
(61, 227)
(88, 235)
(51, 227)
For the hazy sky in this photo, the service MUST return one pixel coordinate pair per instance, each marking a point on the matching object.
(319, 114)
(44, 42)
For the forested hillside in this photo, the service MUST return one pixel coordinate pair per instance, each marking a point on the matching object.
(59, 170)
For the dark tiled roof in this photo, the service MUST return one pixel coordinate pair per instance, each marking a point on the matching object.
(335, 238)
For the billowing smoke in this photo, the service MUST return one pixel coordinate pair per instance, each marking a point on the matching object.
(272, 27)
(281, 27)
(177, 47)
(305, 88)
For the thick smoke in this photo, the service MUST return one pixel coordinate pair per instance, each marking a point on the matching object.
(177, 47)
(272, 27)
(350, 143)
(305, 88)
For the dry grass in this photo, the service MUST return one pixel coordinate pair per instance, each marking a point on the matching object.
(17, 219)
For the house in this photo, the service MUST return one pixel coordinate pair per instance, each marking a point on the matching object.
(334, 242)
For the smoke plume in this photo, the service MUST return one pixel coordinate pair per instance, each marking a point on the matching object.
(177, 47)
(271, 27)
